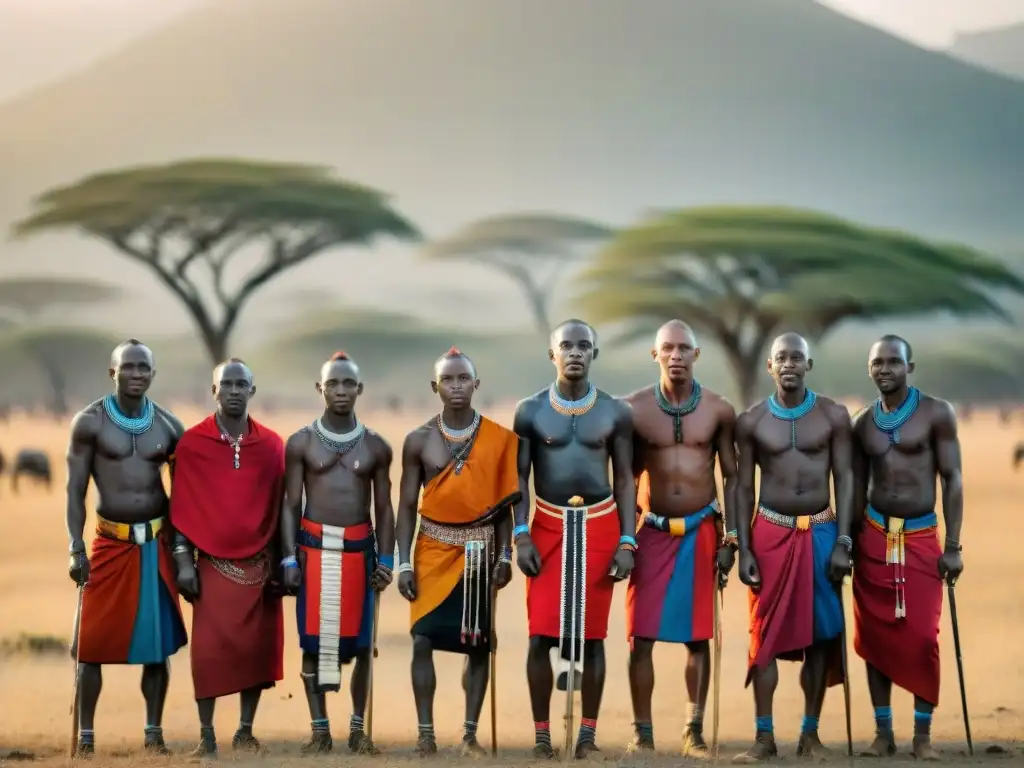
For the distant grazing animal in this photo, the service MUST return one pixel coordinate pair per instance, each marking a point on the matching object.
(31, 463)
(1018, 455)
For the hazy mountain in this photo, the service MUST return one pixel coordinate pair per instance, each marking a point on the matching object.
(998, 49)
(463, 108)
(42, 40)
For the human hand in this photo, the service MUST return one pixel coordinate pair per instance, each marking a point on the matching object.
(622, 564)
(840, 564)
(527, 556)
(187, 580)
(749, 573)
(382, 576)
(78, 567)
(502, 574)
(407, 585)
(951, 565)
(725, 559)
(292, 578)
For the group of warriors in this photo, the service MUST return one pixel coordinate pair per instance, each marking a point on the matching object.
(252, 517)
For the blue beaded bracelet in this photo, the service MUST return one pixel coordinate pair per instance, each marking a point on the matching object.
(290, 562)
(388, 561)
(627, 540)
(519, 530)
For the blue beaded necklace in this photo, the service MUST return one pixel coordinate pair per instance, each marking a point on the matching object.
(891, 421)
(134, 426)
(678, 411)
(779, 411)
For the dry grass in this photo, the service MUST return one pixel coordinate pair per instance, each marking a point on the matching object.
(37, 598)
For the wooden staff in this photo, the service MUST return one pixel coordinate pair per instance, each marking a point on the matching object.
(846, 675)
(717, 665)
(494, 671)
(373, 655)
(959, 665)
(77, 633)
(570, 683)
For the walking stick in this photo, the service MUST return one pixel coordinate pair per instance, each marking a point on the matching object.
(717, 666)
(959, 665)
(570, 683)
(373, 655)
(494, 672)
(846, 675)
(77, 677)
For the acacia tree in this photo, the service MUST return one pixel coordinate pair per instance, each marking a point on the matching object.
(25, 299)
(533, 249)
(188, 221)
(742, 275)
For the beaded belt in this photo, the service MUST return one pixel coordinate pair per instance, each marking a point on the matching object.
(800, 522)
(478, 542)
(248, 572)
(137, 533)
(895, 530)
(680, 526)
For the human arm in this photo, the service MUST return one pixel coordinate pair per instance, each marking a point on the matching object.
(746, 460)
(948, 463)
(843, 479)
(408, 501)
(291, 507)
(527, 557)
(384, 515)
(725, 447)
(80, 454)
(861, 469)
(624, 489)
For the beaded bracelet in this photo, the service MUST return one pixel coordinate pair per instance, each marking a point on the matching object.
(845, 540)
(519, 530)
(289, 562)
(405, 568)
(506, 555)
(388, 561)
(627, 539)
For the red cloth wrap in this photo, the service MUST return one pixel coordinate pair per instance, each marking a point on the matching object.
(226, 512)
(544, 591)
(237, 634)
(904, 650)
(111, 599)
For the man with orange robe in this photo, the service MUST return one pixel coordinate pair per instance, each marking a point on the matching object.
(228, 483)
(466, 467)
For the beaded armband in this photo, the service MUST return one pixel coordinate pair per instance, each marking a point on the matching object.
(731, 540)
(387, 561)
(627, 542)
(289, 562)
(519, 530)
(405, 568)
(845, 541)
(952, 545)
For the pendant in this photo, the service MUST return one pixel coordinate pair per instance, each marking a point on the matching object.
(133, 445)
(458, 467)
(237, 457)
(356, 464)
(574, 422)
(679, 428)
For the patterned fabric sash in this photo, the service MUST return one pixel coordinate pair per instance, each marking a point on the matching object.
(800, 522)
(895, 530)
(251, 572)
(478, 542)
(136, 533)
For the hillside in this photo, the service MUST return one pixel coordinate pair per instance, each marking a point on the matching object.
(1000, 49)
(464, 108)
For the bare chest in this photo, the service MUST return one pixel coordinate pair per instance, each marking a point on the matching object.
(593, 429)
(913, 439)
(324, 462)
(810, 435)
(114, 444)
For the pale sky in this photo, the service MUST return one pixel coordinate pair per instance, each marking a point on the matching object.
(931, 23)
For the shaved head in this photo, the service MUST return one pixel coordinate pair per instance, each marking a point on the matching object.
(133, 344)
(235, 368)
(675, 350)
(340, 366)
(788, 342)
(675, 329)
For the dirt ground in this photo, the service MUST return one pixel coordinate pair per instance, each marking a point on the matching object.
(37, 597)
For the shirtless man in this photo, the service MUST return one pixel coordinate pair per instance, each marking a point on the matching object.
(901, 443)
(798, 549)
(568, 432)
(466, 467)
(678, 429)
(338, 467)
(122, 442)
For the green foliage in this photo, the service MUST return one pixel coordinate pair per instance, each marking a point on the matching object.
(744, 274)
(22, 297)
(533, 249)
(185, 221)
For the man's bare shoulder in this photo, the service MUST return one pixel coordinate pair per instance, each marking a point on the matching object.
(526, 409)
(837, 413)
(173, 422)
(941, 411)
(417, 438)
(639, 398)
(746, 421)
(86, 423)
(297, 443)
(378, 445)
(719, 403)
(861, 418)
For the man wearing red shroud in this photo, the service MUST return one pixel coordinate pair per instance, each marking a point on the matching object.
(225, 505)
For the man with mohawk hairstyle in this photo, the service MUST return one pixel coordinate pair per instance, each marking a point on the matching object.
(334, 468)
(465, 465)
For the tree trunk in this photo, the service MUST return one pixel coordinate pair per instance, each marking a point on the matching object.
(745, 367)
(538, 301)
(58, 388)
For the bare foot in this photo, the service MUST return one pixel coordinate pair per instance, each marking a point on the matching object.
(923, 749)
(426, 747)
(85, 750)
(244, 741)
(762, 749)
(470, 747)
(361, 744)
(318, 744)
(693, 742)
(543, 751)
(587, 750)
(155, 746)
(810, 745)
(207, 748)
(884, 745)
(640, 744)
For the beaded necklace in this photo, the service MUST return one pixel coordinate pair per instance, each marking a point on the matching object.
(234, 442)
(133, 425)
(572, 408)
(459, 442)
(792, 415)
(339, 443)
(678, 411)
(891, 421)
